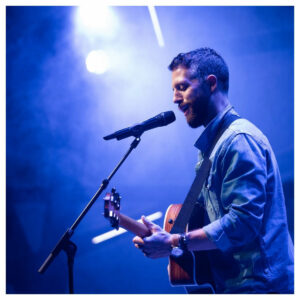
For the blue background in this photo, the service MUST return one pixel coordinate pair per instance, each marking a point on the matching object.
(57, 113)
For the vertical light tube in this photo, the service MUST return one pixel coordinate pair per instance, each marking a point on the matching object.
(156, 26)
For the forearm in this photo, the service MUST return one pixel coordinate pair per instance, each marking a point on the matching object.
(196, 240)
(161, 242)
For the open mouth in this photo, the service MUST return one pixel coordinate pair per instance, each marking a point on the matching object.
(184, 109)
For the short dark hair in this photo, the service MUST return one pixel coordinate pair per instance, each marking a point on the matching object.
(203, 62)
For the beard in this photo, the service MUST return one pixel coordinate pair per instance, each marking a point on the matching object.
(194, 120)
(197, 115)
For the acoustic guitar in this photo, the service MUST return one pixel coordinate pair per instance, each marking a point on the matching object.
(192, 268)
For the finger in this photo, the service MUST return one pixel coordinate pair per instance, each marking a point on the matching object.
(147, 222)
(152, 226)
(148, 254)
(138, 246)
(138, 240)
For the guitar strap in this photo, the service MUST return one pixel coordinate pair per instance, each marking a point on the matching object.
(188, 205)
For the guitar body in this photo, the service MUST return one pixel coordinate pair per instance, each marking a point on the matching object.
(192, 268)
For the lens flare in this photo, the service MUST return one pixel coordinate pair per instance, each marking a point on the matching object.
(97, 61)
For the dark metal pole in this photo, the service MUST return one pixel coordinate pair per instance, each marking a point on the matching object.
(64, 243)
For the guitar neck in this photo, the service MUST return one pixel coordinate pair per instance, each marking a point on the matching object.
(133, 226)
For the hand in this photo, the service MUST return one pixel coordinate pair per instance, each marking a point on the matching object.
(158, 244)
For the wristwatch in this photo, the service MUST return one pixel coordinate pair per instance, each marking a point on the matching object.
(181, 248)
(176, 251)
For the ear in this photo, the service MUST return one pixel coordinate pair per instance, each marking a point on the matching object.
(212, 82)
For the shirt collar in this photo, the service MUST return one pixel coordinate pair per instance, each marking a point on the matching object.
(210, 131)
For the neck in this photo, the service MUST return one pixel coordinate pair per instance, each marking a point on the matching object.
(218, 102)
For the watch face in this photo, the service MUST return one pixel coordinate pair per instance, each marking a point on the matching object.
(176, 251)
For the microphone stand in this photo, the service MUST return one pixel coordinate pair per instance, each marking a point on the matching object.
(64, 243)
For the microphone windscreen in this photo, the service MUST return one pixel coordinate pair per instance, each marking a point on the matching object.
(168, 117)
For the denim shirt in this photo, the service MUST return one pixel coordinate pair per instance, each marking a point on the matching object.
(245, 206)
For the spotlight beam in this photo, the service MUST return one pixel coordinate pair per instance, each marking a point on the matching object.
(156, 26)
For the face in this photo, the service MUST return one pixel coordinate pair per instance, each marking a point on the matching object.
(191, 95)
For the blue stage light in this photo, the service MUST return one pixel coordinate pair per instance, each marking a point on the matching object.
(96, 20)
(97, 61)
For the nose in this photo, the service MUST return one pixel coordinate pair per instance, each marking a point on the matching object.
(177, 98)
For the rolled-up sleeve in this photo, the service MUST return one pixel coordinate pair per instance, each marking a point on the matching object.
(242, 196)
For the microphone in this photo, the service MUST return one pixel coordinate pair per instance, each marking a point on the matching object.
(162, 119)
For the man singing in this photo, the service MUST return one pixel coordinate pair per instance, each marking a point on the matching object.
(245, 233)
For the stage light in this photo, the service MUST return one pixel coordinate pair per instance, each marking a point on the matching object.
(97, 20)
(97, 62)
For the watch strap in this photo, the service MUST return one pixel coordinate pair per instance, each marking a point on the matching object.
(183, 242)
